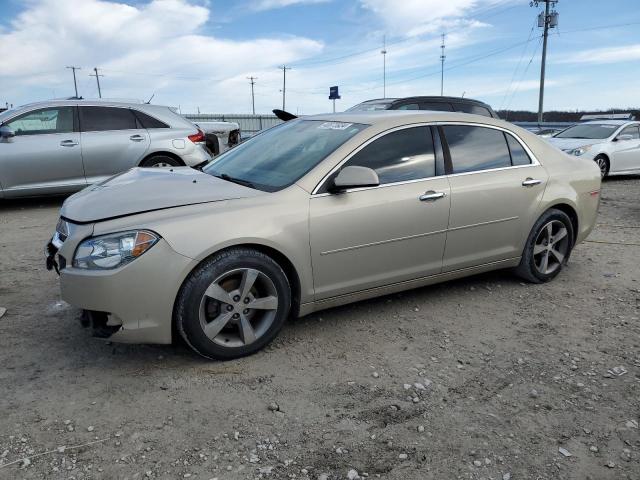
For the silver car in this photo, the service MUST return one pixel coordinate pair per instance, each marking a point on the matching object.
(317, 212)
(64, 145)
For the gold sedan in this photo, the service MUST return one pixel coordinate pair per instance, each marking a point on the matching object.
(317, 212)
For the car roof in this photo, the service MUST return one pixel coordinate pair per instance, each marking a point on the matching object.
(426, 98)
(393, 118)
(89, 101)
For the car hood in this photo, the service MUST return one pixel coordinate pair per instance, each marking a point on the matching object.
(146, 189)
(571, 143)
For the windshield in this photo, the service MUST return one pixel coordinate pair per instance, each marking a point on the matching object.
(281, 155)
(371, 106)
(588, 130)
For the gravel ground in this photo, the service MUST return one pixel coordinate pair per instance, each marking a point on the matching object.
(482, 378)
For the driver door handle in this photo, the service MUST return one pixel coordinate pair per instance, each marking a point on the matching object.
(68, 143)
(530, 182)
(136, 138)
(431, 196)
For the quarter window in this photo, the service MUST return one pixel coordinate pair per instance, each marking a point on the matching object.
(518, 154)
(406, 154)
(476, 148)
(46, 120)
(147, 121)
(633, 131)
(97, 119)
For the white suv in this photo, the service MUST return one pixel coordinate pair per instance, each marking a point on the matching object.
(613, 144)
(64, 145)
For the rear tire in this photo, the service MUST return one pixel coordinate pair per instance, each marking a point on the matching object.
(160, 161)
(233, 304)
(603, 164)
(548, 247)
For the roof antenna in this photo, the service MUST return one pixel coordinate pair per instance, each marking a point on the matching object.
(150, 98)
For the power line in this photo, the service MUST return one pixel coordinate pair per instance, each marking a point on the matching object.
(515, 72)
(522, 77)
(75, 83)
(95, 69)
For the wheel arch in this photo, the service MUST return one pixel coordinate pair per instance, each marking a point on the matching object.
(280, 258)
(163, 153)
(573, 216)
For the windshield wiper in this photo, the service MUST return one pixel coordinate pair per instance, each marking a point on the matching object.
(239, 181)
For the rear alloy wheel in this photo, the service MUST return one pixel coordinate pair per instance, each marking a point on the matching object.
(548, 247)
(233, 305)
(160, 161)
(603, 164)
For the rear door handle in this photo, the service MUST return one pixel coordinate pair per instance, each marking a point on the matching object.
(136, 138)
(530, 182)
(68, 143)
(430, 196)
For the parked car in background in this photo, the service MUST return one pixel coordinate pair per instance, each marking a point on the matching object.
(313, 213)
(440, 104)
(547, 132)
(220, 136)
(613, 144)
(64, 145)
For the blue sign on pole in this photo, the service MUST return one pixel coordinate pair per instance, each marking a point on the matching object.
(333, 93)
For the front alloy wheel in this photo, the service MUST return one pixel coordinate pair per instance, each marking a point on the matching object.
(238, 307)
(233, 304)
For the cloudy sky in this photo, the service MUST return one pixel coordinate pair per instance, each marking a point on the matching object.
(197, 54)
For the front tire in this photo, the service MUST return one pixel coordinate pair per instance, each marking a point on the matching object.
(233, 304)
(548, 247)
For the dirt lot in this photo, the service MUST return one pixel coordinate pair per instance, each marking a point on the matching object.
(485, 377)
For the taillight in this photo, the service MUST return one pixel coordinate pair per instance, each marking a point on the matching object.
(197, 137)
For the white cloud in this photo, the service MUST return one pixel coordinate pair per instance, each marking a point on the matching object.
(273, 4)
(416, 17)
(157, 46)
(625, 53)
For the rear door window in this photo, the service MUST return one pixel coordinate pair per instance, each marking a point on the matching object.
(399, 156)
(43, 121)
(476, 148)
(99, 119)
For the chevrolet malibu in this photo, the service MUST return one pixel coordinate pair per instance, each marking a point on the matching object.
(315, 213)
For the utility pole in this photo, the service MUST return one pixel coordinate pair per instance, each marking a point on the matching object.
(547, 20)
(252, 80)
(95, 69)
(442, 57)
(384, 66)
(75, 84)
(284, 84)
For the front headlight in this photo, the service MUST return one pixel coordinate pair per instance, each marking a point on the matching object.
(580, 150)
(113, 250)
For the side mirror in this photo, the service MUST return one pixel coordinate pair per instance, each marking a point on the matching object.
(6, 132)
(624, 137)
(355, 177)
